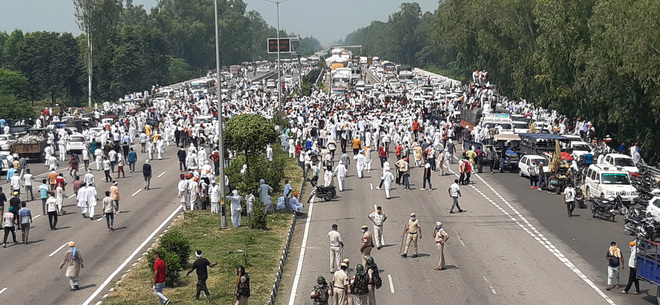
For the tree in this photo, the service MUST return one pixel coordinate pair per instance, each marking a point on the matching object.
(249, 134)
(12, 83)
(179, 70)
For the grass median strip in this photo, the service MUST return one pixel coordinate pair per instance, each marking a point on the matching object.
(261, 249)
(258, 250)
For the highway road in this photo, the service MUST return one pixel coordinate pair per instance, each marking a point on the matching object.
(31, 271)
(514, 245)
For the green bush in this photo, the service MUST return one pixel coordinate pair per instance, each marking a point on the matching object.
(173, 241)
(172, 263)
(258, 168)
(258, 220)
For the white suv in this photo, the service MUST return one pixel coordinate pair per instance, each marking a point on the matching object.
(620, 160)
(607, 181)
(76, 143)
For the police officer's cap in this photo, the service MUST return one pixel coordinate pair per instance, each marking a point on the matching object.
(359, 267)
(370, 260)
(321, 279)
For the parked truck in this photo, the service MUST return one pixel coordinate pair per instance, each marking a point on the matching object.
(31, 146)
(648, 263)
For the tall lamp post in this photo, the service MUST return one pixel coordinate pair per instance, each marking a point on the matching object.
(279, 75)
(221, 150)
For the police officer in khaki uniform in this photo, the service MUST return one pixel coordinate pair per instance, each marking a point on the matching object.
(413, 229)
(340, 286)
(367, 244)
(378, 218)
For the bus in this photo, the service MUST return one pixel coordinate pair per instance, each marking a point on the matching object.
(204, 85)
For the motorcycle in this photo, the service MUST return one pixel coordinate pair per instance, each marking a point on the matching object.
(603, 207)
(579, 198)
(642, 227)
(325, 192)
(621, 206)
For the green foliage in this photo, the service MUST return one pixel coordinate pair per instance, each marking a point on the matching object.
(173, 241)
(248, 134)
(12, 82)
(258, 220)
(172, 265)
(178, 71)
(258, 168)
(12, 107)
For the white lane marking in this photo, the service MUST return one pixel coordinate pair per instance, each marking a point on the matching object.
(371, 185)
(136, 193)
(389, 277)
(459, 239)
(3, 290)
(58, 250)
(130, 257)
(534, 233)
(296, 279)
(163, 173)
(72, 195)
(35, 217)
(489, 285)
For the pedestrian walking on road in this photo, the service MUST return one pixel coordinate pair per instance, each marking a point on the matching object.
(378, 219)
(43, 194)
(340, 286)
(106, 169)
(109, 211)
(441, 238)
(132, 159)
(615, 259)
(114, 194)
(9, 225)
(336, 245)
(243, 290)
(414, 229)
(74, 261)
(121, 162)
(200, 265)
(3, 200)
(25, 219)
(569, 199)
(27, 184)
(632, 265)
(340, 172)
(321, 293)
(366, 245)
(51, 207)
(387, 179)
(146, 172)
(454, 192)
(427, 177)
(160, 276)
(288, 191)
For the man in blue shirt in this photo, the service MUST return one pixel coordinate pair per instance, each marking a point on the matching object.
(132, 158)
(25, 219)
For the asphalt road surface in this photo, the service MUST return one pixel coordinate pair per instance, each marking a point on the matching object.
(513, 245)
(31, 273)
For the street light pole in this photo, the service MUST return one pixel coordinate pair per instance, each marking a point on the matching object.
(279, 75)
(221, 150)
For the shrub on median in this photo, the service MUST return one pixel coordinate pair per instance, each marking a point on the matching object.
(172, 263)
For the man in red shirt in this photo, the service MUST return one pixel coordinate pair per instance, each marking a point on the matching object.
(159, 279)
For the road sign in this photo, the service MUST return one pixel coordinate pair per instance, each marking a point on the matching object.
(284, 45)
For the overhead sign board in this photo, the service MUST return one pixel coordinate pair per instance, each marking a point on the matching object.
(284, 45)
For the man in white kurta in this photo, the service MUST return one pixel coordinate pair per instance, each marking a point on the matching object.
(82, 199)
(235, 208)
(340, 172)
(91, 200)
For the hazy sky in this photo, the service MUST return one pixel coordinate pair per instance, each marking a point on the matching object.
(326, 20)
